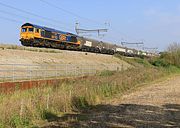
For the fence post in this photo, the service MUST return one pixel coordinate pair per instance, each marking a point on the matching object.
(89, 69)
(56, 71)
(122, 67)
(44, 71)
(26, 72)
(82, 69)
(117, 68)
(36, 74)
(13, 73)
(74, 70)
(95, 68)
(47, 104)
(70, 94)
(21, 108)
(66, 70)
(4, 79)
(30, 70)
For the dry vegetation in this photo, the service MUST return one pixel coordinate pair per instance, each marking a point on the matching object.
(23, 109)
(35, 106)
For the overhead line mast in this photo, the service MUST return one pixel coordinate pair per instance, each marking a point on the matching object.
(155, 50)
(82, 31)
(130, 43)
(82, 17)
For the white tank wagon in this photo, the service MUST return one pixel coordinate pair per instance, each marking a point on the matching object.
(91, 45)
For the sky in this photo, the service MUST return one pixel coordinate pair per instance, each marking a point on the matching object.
(155, 22)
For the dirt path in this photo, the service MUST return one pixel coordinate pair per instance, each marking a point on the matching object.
(156, 105)
(166, 92)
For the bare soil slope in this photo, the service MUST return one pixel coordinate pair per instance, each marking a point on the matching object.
(32, 56)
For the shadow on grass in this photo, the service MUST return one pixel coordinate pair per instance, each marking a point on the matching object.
(50, 116)
(123, 115)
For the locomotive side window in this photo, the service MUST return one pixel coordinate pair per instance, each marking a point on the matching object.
(73, 39)
(42, 33)
(53, 35)
(48, 34)
(24, 29)
(31, 29)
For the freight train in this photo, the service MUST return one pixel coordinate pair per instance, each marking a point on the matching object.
(39, 36)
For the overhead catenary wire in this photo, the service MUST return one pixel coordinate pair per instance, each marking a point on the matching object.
(13, 14)
(84, 18)
(11, 20)
(69, 12)
(35, 15)
(50, 19)
(24, 17)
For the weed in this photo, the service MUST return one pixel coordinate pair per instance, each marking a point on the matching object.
(142, 61)
(107, 73)
(18, 122)
(79, 103)
(106, 90)
(47, 115)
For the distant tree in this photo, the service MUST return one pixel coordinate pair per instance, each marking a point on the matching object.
(173, 54)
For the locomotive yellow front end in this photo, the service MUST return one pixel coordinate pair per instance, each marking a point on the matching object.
(27, 35)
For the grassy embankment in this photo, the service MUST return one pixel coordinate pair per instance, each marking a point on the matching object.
(27, 108)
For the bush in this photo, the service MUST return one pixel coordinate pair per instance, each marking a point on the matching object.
(160, 62)
(173, 54)
(169, 58)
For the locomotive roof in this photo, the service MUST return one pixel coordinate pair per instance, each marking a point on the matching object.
(46, 28)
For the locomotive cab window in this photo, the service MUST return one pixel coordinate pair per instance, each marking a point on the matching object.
(24, 30)
(31, 29)
(37, 30)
